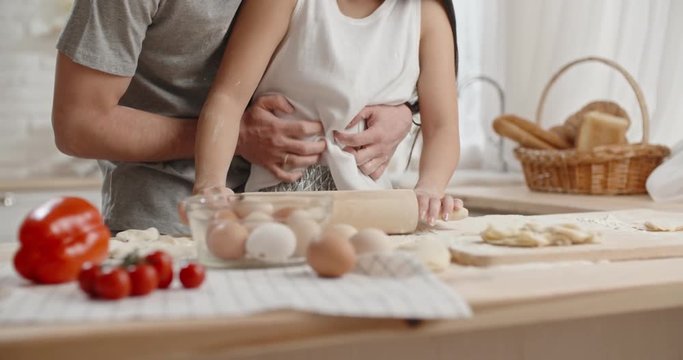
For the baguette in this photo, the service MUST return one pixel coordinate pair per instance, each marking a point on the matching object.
(567, 133)
(506, 128)
(534, 129)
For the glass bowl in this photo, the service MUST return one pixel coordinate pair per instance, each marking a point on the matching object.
(208, 213)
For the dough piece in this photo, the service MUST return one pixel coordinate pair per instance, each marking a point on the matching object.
(432, 252)
(134, 236)
(506, 128)
(533, 235)
(662, 227)
(459, 214)
(148, 241)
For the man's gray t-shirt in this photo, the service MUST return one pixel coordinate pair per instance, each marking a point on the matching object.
(172, 50)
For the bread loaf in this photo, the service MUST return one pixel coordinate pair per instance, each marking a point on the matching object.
(605, 107)
(599, 129)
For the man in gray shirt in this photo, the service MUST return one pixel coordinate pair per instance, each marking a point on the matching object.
(132, 76)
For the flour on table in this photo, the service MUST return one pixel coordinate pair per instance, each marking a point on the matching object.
(535, 235)
(148, 241)
(609, 221)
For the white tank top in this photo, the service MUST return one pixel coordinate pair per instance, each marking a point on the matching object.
(330, 66)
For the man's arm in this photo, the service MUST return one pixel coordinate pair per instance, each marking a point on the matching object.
(89, 122)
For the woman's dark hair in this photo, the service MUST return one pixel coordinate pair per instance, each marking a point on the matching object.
(448, 4)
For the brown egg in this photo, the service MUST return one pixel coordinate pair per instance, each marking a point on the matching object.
(225, 214)
(284, 213)
(227, 240)
(306, 231)
(331, 256)
(371, 241)
(343, 231)
(248, 206)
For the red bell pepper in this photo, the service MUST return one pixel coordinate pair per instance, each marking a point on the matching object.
(57, 238)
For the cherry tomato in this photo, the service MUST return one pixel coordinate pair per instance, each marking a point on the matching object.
(113, 285)
(87, 276)
(163, 264)
(143, 279)
(192, 276)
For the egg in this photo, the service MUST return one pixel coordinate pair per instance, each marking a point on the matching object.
(340, 230)
(255, 219)
(248, 206)
(225, 214)
(432, 252)
(299, 214)
(331, 256)
(271, 242)
(284, 213)
(227, 240)
(371, 241)
(306, 230)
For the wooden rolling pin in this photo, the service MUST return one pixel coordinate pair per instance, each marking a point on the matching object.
(393, 211)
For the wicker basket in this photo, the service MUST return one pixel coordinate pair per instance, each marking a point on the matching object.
(607, 170)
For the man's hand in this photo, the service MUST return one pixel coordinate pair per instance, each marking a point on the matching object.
(276, 144)
(373, 148)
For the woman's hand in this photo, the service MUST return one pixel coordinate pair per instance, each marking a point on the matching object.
(386, 127)
(215, 194)
(215, 191)
(435, 204)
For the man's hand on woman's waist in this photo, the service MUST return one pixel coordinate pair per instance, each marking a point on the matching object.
(276, 144)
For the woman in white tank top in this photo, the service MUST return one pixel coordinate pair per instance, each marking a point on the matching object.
(331, 58)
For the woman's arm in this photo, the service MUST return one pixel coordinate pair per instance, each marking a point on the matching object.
(260, 27)
(437, 90)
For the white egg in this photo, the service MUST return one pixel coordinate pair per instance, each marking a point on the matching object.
(371, 241)
(248, 206)
(306, 231)
(271, 242)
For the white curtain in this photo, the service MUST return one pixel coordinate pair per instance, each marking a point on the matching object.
(522, 43)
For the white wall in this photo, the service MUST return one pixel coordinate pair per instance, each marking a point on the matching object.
(28, 33)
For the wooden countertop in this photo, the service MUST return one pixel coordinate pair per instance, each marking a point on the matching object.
(518, 199)
(501, 297)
